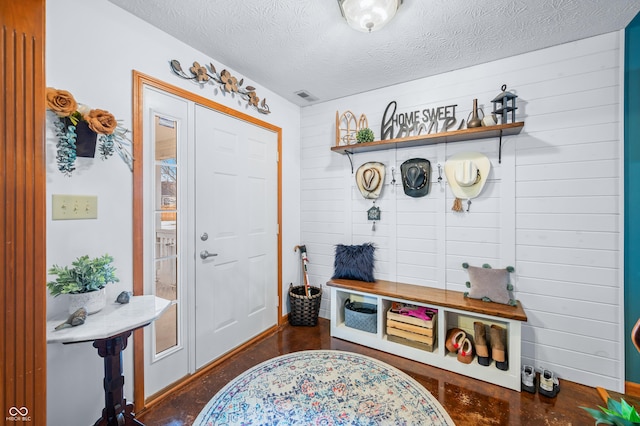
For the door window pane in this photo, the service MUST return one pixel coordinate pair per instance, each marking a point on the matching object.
(165, 143)
(168, 325)
(167, 186)
(166, 279)
(166, 235)
(166, 256)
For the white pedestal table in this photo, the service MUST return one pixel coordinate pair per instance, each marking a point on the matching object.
(109, 330)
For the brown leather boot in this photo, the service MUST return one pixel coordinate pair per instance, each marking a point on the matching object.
(499, 346)
(482, 349)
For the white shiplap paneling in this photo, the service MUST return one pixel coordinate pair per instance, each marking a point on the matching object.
(551, 209)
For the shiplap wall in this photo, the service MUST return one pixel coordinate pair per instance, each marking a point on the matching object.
(551, 208)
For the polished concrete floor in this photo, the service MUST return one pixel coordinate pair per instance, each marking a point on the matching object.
(468, 401)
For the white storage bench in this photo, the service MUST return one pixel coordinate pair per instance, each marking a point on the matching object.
(454, 310)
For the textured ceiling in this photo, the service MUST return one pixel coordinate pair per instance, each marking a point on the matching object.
(292, 45)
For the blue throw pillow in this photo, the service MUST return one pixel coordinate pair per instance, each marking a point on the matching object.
(354, 262)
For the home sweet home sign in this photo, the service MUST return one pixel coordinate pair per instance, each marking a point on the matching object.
(428, 120)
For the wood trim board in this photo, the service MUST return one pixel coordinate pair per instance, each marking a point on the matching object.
(23, 347)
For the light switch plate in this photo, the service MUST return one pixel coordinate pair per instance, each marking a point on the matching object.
(72, 207)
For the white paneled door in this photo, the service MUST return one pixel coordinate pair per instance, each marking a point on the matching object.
(236, 232)
(210, 231)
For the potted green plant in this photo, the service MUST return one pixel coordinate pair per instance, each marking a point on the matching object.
(84, 282)
(364, 135)
(616, 413)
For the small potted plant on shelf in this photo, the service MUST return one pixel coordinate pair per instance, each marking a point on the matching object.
(84, 282)
(364, 135)
(616, 413)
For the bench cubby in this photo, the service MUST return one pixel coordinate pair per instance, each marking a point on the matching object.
(454, 310)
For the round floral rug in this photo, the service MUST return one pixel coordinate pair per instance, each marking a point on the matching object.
(323, 388)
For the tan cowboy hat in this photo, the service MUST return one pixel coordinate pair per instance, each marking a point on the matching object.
(467, 172)
(370, 177)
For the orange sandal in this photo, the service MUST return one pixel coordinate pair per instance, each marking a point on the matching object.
(455, 337)
(465, 353)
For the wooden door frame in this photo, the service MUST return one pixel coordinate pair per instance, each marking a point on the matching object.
(141, 80)
(23, 296)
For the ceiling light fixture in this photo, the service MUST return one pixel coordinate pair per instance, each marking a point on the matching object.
(368, 15)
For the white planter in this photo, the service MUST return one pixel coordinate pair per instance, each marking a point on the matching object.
(92, 301)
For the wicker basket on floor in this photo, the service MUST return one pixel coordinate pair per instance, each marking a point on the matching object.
(304, 309)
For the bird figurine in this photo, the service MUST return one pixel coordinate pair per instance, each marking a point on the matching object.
(75, 319)
(124, 297)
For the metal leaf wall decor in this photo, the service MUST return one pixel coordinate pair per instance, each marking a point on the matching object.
(227, 83)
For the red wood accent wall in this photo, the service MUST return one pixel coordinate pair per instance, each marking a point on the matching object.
(22, 211)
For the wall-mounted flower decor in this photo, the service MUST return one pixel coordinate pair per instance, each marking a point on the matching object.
(76, 123)
(225, 81)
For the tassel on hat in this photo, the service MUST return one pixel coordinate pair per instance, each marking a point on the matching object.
(457, 205)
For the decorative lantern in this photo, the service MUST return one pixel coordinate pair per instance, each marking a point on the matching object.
(504, 103)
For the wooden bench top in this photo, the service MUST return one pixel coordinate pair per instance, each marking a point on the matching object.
(433, 296)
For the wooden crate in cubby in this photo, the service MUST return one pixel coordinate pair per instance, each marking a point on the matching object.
(411, 330)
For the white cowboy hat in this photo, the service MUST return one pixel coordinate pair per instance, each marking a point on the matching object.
(370, 177)
(467, 172)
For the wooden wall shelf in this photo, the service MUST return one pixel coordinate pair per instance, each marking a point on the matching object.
(433, 138)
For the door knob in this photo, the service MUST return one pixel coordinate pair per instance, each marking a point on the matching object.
(204, 254)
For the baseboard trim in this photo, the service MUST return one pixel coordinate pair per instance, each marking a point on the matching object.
(172, 388)
(631, 388)
(604, 395)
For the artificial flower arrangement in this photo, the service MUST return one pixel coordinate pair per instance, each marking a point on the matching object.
(226, 82)
(112, 136)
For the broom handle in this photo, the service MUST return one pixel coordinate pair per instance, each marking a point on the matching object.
(305, 273)
(303, 256)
